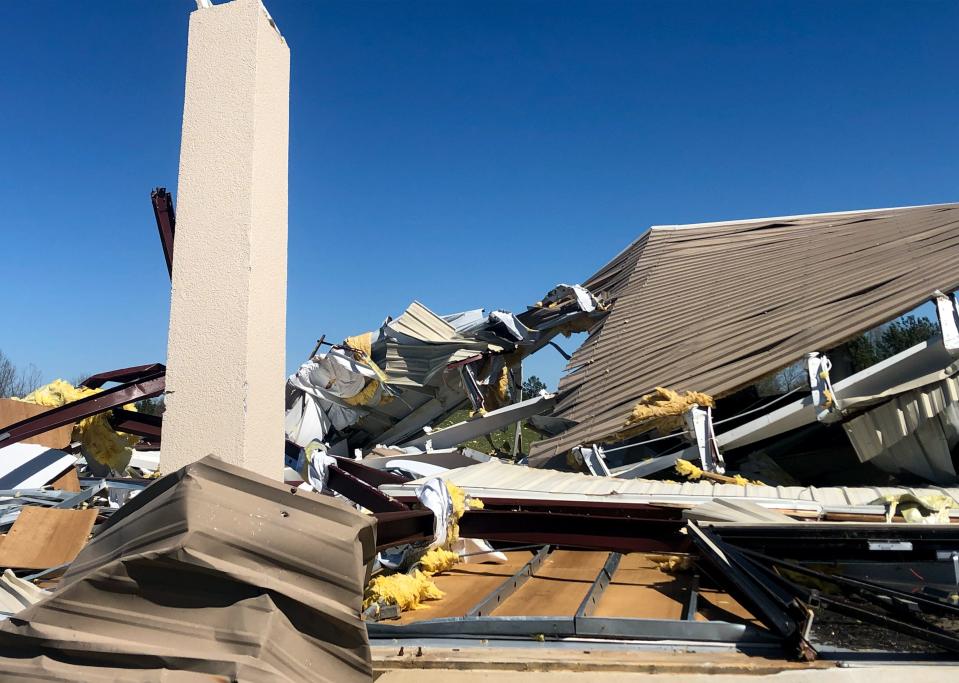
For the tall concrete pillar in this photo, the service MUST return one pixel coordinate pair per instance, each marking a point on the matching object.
(226, 345)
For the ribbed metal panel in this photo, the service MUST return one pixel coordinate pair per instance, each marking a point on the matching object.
(715, 307)
(495, 479)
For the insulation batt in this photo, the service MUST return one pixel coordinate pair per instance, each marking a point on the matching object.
(108, 446)
(409, 590)
(664, 409)
(690, 471)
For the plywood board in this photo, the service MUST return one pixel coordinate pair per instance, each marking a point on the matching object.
(12, 412)
(46, 537)
(68, 481)
(558, 587)
(639, 589)
(464, 586)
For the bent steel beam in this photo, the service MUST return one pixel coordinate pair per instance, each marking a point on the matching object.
(143, 425)
(166, 223)
(122, 375)
(150, 385)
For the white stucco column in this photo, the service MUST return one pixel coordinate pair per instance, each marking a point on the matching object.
(226, 345)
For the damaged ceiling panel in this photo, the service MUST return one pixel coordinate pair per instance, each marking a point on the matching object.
(714, 307)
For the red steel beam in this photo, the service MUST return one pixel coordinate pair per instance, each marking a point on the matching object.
(144, 425)
(360, 492)
(149, 385)
(122, 375)
(369, 475)
(586, 532)
(166, 223)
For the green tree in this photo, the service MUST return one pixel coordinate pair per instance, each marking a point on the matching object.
(873, 346)
(151, 406)
(905, 332)
(532, 386)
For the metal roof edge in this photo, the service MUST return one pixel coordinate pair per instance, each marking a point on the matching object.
(746, 221)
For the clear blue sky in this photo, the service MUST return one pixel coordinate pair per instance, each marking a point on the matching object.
(466, 154)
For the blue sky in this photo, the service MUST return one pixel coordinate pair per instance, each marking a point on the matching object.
(466, 154)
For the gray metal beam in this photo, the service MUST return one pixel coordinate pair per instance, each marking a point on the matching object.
(605, 575)
(481, 426)
(485, 606)
(692, 603)
(582, 627)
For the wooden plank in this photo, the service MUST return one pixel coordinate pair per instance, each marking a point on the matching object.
(464, 586)
(12, 412)
(715, 605)
(46, 537)
(68, 481)
(640, 589)
(557, 588)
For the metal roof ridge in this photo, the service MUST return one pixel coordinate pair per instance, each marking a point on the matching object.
(746, 221)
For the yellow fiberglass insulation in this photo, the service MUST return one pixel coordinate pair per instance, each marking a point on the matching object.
(409, 590)
(664, 409)
(438, 560)
(931, 509)
(404, 590)
(690, 471)
(497, 394)
(671, 564)
(461, 503)
(362, 345)
(366, 395)
(108, 446)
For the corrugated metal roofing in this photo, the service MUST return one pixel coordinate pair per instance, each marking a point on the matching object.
(415, 365)
(211, 573)
(496, 479)
(915, 431)
(421, 323)
(715, 307)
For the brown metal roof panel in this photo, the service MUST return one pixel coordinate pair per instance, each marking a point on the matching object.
(716, 307)
(212, 570)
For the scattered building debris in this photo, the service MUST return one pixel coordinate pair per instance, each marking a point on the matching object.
(386, 387)
(388, 529)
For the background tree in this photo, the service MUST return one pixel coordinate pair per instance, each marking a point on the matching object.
(900, 334)
(532, 386)
(151, 406)
(875, 345)
(17, 382)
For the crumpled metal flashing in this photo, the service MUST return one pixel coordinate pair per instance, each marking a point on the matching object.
(211, 573)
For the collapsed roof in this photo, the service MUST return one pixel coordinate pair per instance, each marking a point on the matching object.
(715, 307)
(383, 387)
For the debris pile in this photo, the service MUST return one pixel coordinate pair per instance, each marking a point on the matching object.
(387, 529)
(384, 387)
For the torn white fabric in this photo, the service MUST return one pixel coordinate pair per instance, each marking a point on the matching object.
(513, 326)
(477, 551)
(336, 373)
(314, 465)
(321, 383)
(434, 496)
